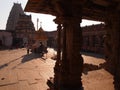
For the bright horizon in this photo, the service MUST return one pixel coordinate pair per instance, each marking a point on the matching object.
(47, 20)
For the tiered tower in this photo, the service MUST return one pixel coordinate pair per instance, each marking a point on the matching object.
(21, 25)
(13, 16)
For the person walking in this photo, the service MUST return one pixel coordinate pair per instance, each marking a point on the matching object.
(28, 48)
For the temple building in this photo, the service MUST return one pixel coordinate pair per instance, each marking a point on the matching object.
(40, 36)
(14, 16)
(93, 38)
(52, 39)
(20, 25)
(6, 39)
(24, 29)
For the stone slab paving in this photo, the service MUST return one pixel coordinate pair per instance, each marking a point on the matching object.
(19, 71)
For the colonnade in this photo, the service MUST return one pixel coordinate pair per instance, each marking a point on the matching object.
(69, 64)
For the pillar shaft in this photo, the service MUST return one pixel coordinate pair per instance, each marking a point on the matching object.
(116, 49)
(72, 61)
(74, 41)
(112, 46)
(58, 61)
(68, 76)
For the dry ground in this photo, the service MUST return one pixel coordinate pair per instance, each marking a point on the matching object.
(19, 71)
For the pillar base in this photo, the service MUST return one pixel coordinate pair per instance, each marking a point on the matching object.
(51, 84)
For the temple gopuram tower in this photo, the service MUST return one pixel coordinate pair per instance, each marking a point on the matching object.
(13, 16)
(21, 25)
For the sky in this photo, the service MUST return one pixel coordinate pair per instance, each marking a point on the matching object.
(45, 20)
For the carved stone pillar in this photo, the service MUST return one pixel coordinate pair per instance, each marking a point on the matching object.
(112, 46)
(116, 48)
(71, 65)
(53, 83)
(58, 62)
(108, 40)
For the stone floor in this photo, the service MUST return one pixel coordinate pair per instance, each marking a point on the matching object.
(94, 76)
(19, 71)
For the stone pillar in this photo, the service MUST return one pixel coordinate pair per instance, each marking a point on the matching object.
(58, 61)
(108, 42)
(69, 66)
(116, 48)
(72, 62)
(113, 44)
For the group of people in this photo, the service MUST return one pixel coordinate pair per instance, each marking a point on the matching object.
(40, 49)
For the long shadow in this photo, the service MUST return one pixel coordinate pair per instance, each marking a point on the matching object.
(90, 67)
(27, 58)
(6, 64)
(104, 65)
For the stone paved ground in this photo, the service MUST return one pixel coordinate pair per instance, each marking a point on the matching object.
(95, 77)
(19, 71)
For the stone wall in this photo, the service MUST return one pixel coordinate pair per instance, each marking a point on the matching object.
(6, 38)
(93, 38)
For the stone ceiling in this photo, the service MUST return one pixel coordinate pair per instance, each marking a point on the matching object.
(92, 9)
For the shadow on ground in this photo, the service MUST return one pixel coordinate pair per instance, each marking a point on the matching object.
(6, 64)
(27, 58)
(90, 67)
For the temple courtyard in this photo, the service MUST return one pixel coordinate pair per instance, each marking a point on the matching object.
(22, 71)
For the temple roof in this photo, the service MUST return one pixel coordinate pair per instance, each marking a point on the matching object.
(92, 9)
(14, 16)
(40, 35)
